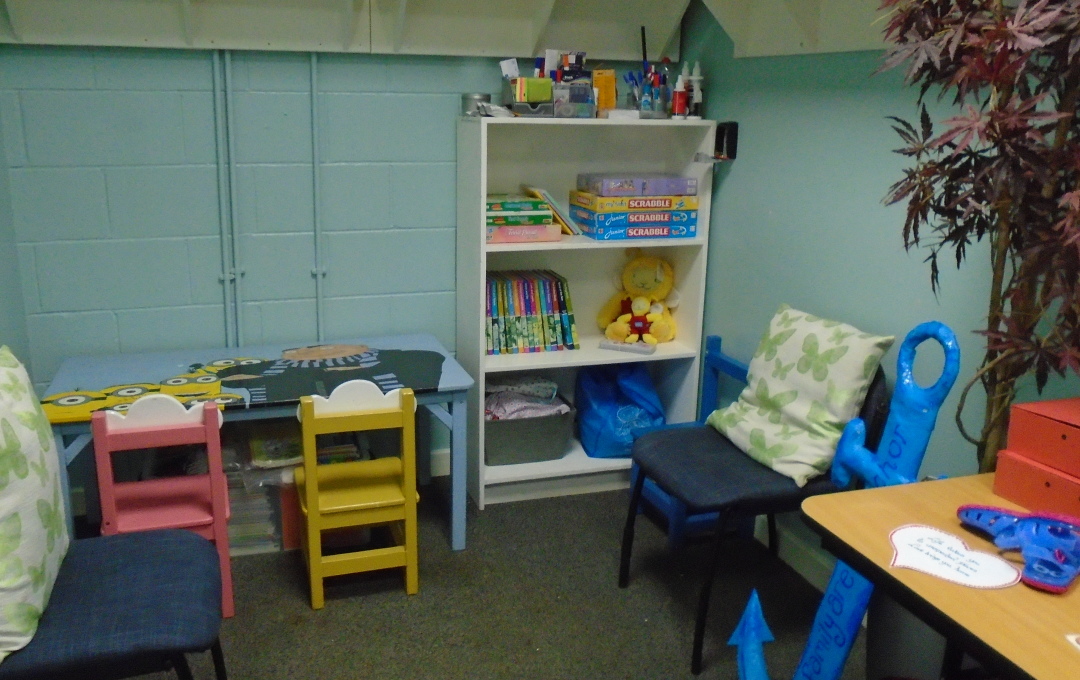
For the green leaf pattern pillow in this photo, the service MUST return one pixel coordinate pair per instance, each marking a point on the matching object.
(808, 377)
(33, 533)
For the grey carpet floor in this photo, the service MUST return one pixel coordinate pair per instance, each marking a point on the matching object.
(533, 596)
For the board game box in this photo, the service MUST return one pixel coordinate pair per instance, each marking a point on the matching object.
(606, 204)
(635, 225)
(636, 184)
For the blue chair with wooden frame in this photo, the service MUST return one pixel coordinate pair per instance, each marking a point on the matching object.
(716, 364)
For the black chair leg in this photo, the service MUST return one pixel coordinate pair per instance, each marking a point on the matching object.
(180, 665)
(219, 661)
(628, 530)
(706, 592)
(952, 660)
(774, 540)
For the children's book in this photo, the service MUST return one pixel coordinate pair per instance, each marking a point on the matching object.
(559, 211)
(520, 331)
(553, 315)
(536, 333)
(508, 337)
(508, 202)
(521, 313)
(551, 344)
(518, 219)
(488, 345)
(528, 315)
(569, 325)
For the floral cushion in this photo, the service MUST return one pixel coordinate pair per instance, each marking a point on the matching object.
(808, 377)
(33, 531)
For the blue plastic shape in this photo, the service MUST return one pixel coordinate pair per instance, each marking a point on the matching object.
(912, 415)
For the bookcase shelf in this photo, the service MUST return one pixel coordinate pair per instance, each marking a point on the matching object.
(498, 155)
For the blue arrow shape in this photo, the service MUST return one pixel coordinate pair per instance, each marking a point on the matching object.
(749, 637)
(912, 415)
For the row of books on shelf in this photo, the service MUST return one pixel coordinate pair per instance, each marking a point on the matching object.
(529, 311)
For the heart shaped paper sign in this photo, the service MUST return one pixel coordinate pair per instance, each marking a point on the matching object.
(940, 554)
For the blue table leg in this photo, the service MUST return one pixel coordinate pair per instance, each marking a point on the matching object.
(452, 415)
(458, 472)
(423, 450)
(66, 453)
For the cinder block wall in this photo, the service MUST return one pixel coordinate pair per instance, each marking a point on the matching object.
(122, 197)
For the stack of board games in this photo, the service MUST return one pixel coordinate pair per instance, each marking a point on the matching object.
(511, 218)
(631, 206)
(529, 311)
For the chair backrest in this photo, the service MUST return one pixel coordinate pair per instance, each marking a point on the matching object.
(875, 409)
(154, 421)
(356, 406)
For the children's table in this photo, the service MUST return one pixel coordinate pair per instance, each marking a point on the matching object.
(266, 382)
(1018, 632)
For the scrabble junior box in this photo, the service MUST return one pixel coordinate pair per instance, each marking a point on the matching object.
(635, 224)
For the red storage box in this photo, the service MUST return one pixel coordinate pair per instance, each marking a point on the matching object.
(1036, 486)
(1047, 432)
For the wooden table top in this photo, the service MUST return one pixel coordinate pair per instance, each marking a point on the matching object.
(1027, 628)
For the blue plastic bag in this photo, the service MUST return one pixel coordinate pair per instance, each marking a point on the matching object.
(615, 402)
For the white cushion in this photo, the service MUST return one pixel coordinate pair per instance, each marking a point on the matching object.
(33, 530)
(808, 377)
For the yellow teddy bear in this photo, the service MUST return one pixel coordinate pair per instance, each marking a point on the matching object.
(641, 309)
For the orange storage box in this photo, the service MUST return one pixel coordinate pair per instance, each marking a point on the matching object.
(1036, 486)
(1047, 432)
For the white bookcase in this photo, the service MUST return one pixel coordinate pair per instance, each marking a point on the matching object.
(497, 155)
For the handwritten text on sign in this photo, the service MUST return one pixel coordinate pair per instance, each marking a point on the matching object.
(945, 556)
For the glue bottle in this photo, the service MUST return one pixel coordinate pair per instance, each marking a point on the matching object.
(678, 100)
(695, 98)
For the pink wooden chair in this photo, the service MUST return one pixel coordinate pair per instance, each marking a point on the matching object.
(199, 503)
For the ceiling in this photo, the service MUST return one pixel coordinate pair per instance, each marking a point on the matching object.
(604, 29)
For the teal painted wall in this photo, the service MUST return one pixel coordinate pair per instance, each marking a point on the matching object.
(799, 217)
(12, 314)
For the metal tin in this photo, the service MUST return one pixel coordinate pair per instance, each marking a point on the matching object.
(469, 102)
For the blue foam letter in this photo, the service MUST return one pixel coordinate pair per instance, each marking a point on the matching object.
(912, 415)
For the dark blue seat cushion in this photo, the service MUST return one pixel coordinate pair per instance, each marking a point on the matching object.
(124, 603)
(703, 469)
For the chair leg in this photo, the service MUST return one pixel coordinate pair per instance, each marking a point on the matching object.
(706, 592)
(313, 541)
(676, 524)
(412, 568)
(180, 665)
(219, 661)
(952, 660)
(774, 538)
(628, 531)
(228, 606)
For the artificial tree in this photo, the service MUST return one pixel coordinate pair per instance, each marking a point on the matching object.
(1005, 168)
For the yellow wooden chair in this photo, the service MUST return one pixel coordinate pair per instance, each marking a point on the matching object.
(381, 491)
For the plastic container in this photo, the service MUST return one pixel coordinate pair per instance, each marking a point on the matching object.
(470, 102)
(527, 440)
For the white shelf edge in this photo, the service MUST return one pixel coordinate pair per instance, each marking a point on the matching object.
(574, 463)
(589, 355)
(576, 242)
(545, 120)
